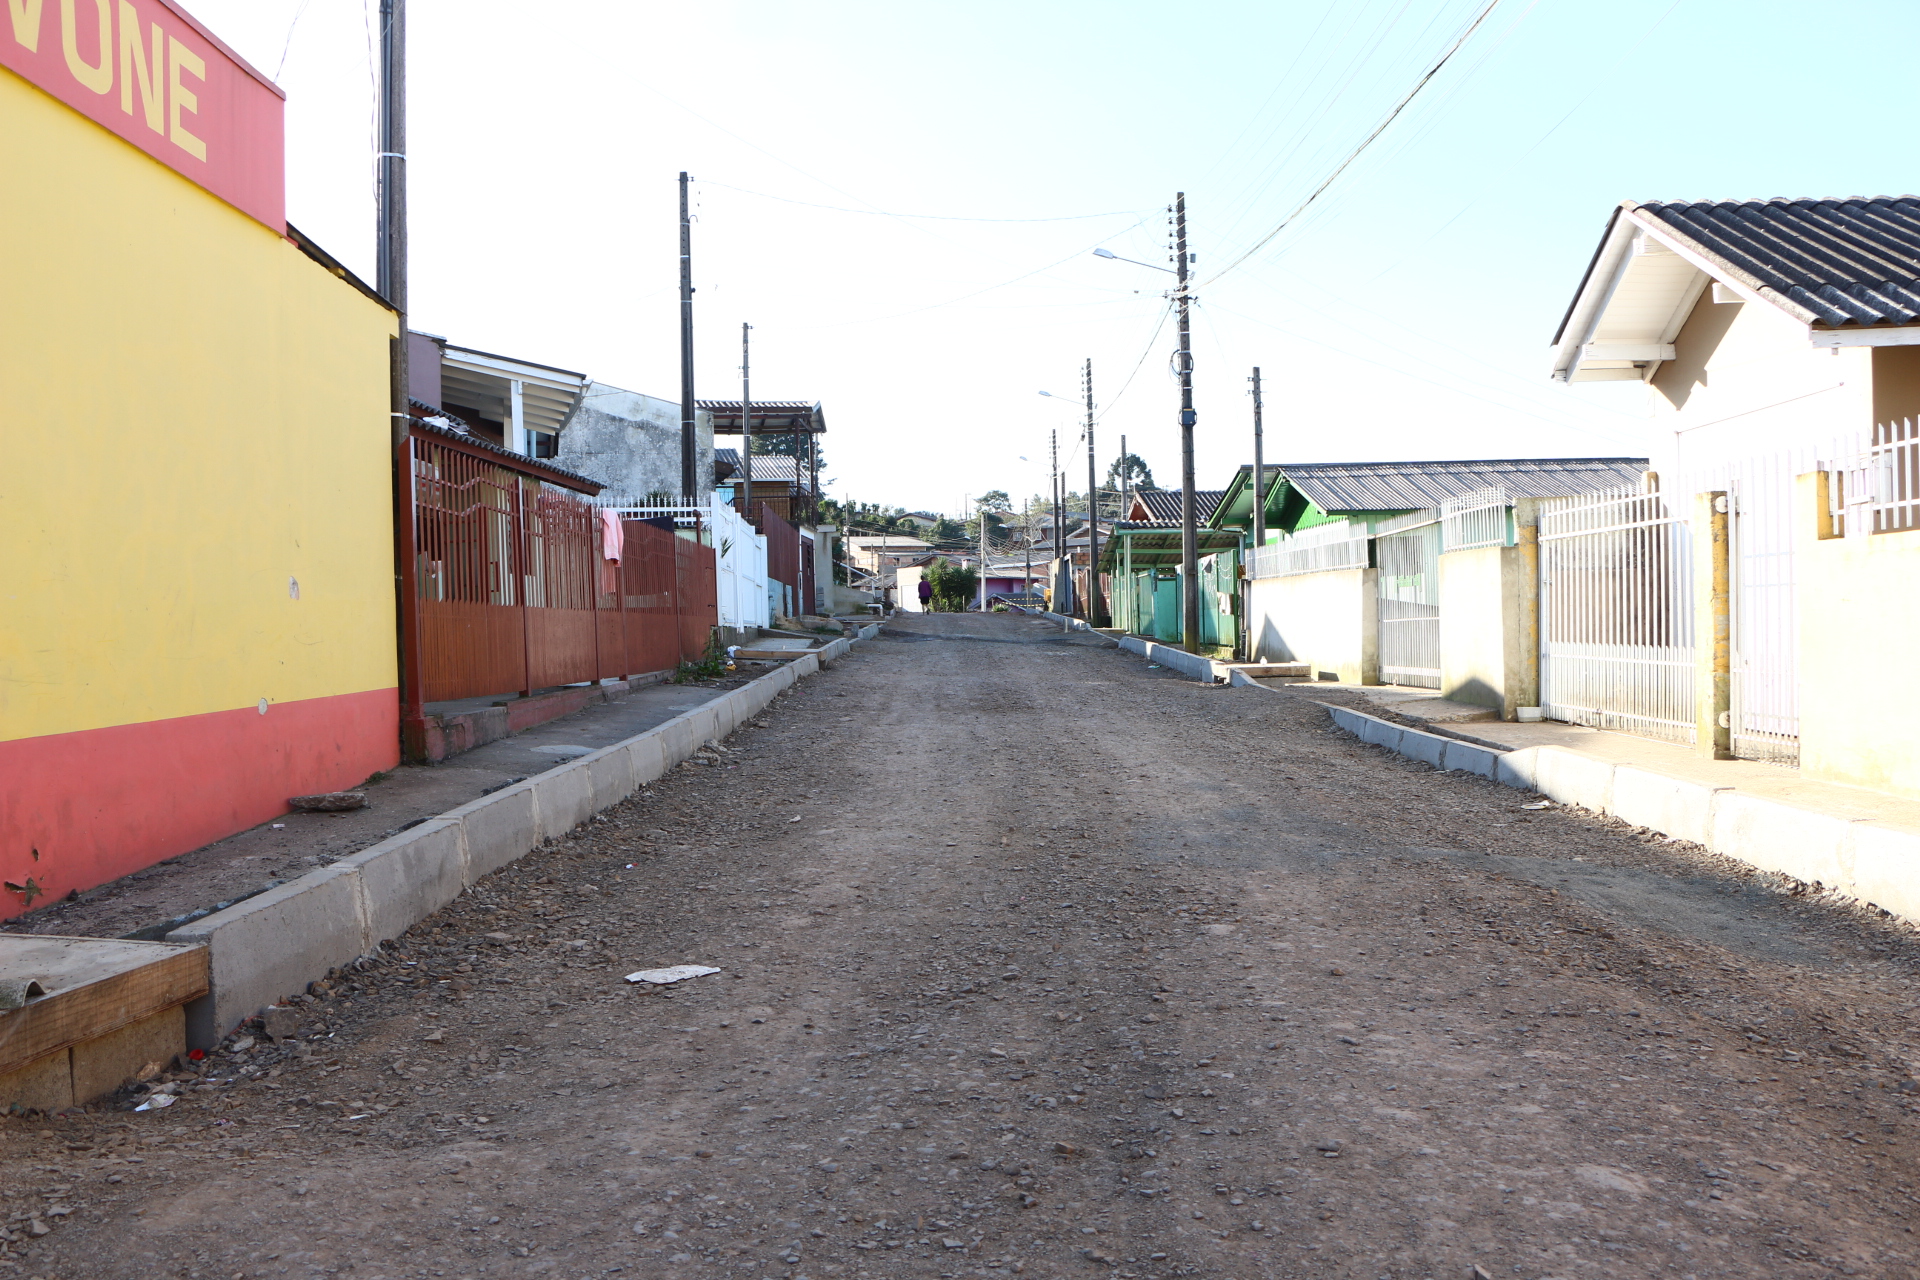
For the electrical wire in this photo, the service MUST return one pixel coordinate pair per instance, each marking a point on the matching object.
(1365, 142)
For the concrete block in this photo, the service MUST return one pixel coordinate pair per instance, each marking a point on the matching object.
(1468, 758)
(1777, 837)
(610, 773)
(272, 945)
(1886, 869)
(45, 1084)
(647, 762)
(498, 828)
(726, 713)
(563, 799)
(1571, 778)
(1519, 769)
(676, 739)
(1134, 644)
(407, 877)
(103, 1065)
(1428, 748)
(1669, 805)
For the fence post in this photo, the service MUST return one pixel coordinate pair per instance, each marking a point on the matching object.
(1713, 627)
(522, 553)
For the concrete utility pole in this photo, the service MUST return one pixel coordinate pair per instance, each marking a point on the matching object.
(1126, 482)
(390, 245)
(1259, 470)
(689, 438)
(1093, 509)
(746, 427)
(980, 514)
(1189, 534)
(1026, 536)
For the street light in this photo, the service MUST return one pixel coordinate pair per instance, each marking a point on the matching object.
(1189, 535)
(1108, 253)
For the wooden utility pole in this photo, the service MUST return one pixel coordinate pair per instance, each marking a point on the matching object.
(391, 279)
(689, 438)
(746, 427)
(1093, 508)
(1189, 533)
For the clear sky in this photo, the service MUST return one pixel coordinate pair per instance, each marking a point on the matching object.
(1406, 315)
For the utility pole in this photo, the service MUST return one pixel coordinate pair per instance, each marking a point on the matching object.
(980, 514)
(390, 236)
(1189, 534)
(746, 428)
(689, 438)
(1259, 469)
(1054, 448)
(1093, 509)
(1026, 529)
(1126, 482)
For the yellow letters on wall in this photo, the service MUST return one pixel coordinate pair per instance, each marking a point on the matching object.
(179, 97)
(134, 68)
(100, 78)
(26, 23)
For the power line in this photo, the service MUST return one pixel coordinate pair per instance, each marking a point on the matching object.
(1365, 142)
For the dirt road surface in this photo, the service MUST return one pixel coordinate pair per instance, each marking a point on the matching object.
(1036, 961)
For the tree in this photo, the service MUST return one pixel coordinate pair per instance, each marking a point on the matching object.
(993, 507)
(1131, 472)
(953, 585)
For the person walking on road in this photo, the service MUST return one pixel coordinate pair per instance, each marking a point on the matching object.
(926, 596)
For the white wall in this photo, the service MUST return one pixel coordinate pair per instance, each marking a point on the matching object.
(1746, 381)
(1327, 620)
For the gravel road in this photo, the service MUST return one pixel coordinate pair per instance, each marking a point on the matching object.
(1037, 961)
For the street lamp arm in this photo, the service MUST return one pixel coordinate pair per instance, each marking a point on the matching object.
(1114, 257)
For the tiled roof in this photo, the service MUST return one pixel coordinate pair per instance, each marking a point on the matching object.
(1841, 262)
(1164, 504)
(1408, 486)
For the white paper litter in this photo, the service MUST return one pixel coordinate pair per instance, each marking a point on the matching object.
(156, 1102)
(1538, 804)
(677, 973)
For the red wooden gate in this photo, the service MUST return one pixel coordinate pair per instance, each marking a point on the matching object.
(514, 593)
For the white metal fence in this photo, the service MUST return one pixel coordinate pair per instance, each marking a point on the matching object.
(1408, 585)
(1616, 616)
(1876, 488)
(1340, 545)
(740, 557)
(1482, 519)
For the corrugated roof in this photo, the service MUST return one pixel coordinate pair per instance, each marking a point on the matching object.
(1843, 262)
(1164, 504)
(775, 417)
(773, 468)
(533, 466)
(1408, 486)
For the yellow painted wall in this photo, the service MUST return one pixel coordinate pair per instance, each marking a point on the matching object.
(1326, 620)
(195, 415)
(1858, 697)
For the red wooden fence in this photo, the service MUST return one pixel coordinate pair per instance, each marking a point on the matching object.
(514, 594)
(783, 558)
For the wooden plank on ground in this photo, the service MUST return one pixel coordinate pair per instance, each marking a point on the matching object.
(94, 986)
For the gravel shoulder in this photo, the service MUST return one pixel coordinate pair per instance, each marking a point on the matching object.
(1036, 961)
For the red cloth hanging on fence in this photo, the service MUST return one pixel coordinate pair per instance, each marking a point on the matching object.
(613, 545)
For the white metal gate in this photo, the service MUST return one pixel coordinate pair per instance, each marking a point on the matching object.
(1409, 590)
(1616, 615)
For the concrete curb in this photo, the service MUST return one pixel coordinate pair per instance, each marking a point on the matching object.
(272, 945)
(1175, 659)
(1858, 858)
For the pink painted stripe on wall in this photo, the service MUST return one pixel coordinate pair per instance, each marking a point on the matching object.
(104, 803)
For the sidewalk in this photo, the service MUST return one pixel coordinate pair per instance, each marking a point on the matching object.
(1859, 843)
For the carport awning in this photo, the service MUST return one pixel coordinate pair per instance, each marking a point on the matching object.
(1158, 547)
